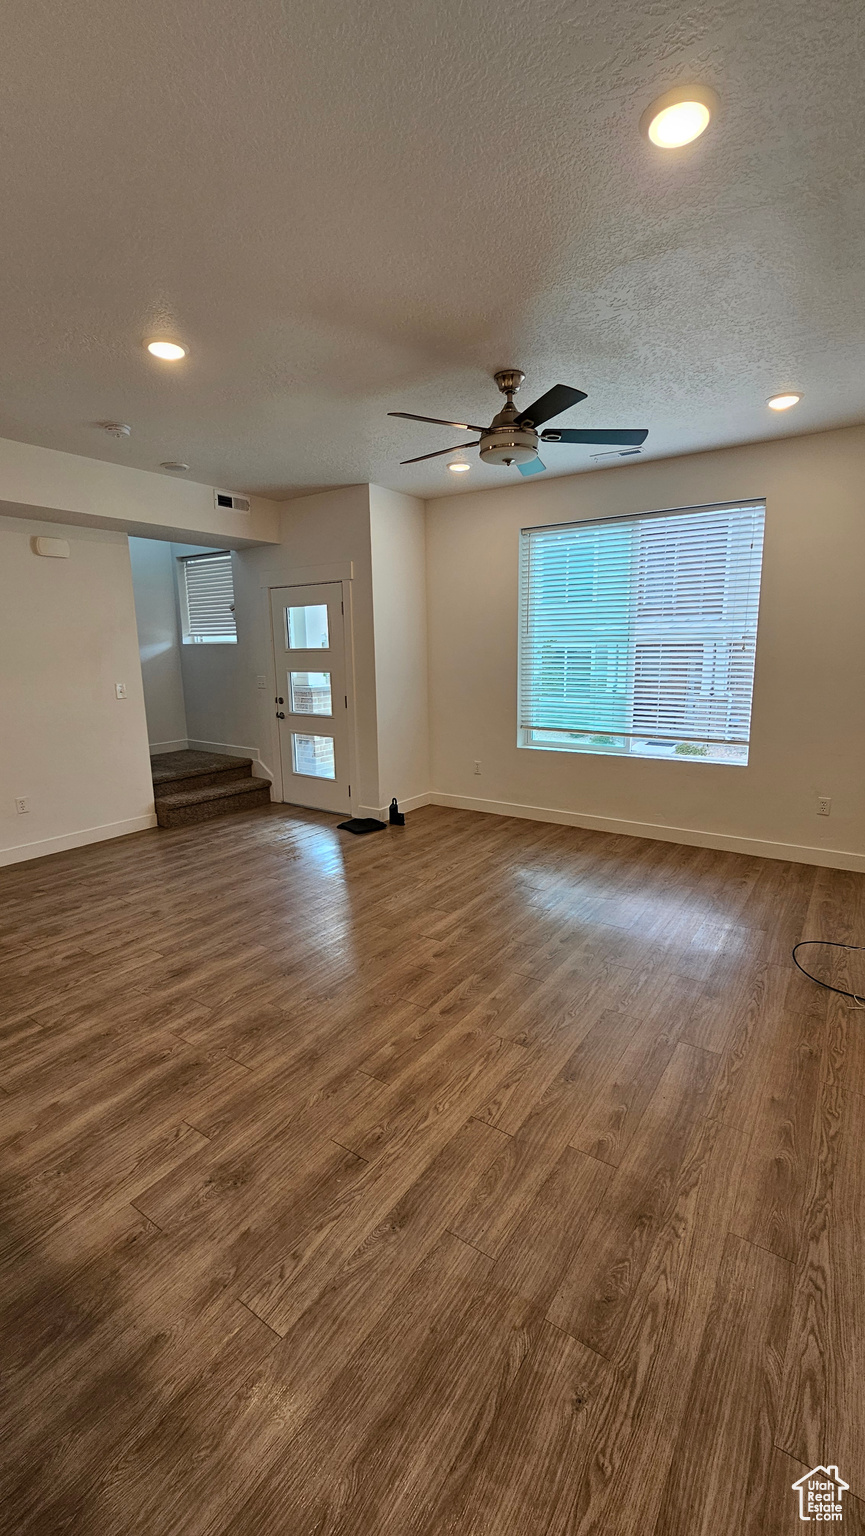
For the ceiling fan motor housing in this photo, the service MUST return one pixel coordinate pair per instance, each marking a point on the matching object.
(508, 440)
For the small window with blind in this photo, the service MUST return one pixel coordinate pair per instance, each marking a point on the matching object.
(638, 634)
(207, 599)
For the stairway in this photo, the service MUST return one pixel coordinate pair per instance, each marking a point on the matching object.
(196, 786)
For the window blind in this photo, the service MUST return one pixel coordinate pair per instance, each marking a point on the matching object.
(638, 634)
(208, 599)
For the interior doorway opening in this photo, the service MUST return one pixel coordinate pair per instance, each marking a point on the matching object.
(194, 683)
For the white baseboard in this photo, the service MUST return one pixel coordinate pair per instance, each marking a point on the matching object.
(826, 858)
(169, 746)
(47, 845)
(260, 769)
(411, 803)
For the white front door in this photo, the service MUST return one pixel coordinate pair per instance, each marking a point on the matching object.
(312, 695)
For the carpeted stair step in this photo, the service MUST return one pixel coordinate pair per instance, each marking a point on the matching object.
(201, 780)
(190, 786)
(173, 771)
(185, 807)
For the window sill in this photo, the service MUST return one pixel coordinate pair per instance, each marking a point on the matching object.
(656, 756)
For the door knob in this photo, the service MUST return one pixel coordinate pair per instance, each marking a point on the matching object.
(280, 714)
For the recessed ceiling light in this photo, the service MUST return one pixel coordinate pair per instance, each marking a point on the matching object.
(168, 351)
(784, 402)
(176, 465)
(459, 468)
(680, 116)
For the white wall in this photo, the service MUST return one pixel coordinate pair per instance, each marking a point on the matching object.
(218, 683)
(377, 538)
(808, 730)
(154, 583)
(67, 635)
(66, 488)
(397, 536)
(323, 538)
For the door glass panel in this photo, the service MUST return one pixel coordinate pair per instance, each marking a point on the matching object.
(307, 628)
(309, 693)
(313, 756)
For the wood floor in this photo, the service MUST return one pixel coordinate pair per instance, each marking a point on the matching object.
(484, 1178)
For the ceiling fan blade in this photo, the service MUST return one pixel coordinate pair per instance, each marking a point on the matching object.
(556, 400)
(534, 467)
(438, 453)
(464, 426)
(618, 437)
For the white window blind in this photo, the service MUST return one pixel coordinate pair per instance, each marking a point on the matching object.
(207, 591)
(638, 635)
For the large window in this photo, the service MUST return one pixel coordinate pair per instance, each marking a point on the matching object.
(637, 635)
(207, 599)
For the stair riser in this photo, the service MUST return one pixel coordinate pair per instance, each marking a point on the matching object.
(200, 781)
(207, 810)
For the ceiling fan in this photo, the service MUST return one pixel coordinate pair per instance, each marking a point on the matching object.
(512, 436)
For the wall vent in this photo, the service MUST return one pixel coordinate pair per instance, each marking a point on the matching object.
(230, 503)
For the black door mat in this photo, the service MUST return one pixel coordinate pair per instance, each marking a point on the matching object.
(361, 824)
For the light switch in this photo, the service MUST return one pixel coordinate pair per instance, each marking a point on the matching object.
(261, 682)
(120, 690)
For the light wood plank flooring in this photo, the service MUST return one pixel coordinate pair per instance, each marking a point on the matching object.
(484, 1178)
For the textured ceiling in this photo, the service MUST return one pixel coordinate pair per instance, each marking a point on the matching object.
(357, 206)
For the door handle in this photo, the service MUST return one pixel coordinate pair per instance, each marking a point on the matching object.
(280, 715)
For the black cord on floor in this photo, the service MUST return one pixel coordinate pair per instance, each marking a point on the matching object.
(831, 943)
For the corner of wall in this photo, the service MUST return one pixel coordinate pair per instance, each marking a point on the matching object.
(399, 583)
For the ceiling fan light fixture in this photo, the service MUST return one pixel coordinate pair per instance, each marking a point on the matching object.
(784, 401)
(166, 351)
(509, 445)
(679, 116)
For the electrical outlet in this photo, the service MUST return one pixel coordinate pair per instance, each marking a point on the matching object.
(261, 681)
(22, 805)
(477, 766)
(120, 690)
(824, 805)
